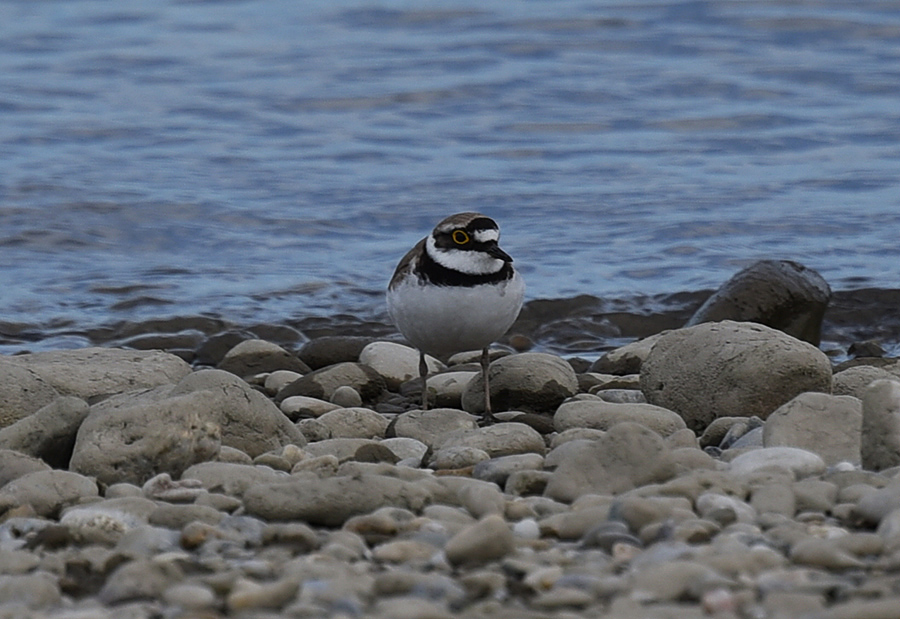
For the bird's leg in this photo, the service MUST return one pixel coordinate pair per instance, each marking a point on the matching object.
(485, 364)
(423, 374)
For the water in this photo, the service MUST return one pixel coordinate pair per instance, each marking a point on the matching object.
(270, 159)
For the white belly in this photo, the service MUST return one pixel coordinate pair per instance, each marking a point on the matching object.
(442, 320)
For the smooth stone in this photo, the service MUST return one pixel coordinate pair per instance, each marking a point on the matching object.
(47, 491)
(874, 506)
(815, 495)
(730, 368)
(341, 448)
(447, 388)
(134, 436)
(623, 396)
(823, 553)
(14, 464)
(346, 397)
(164, 488)
(48, 433)
(381, 525)
(90, 373)
(527, 482)
(139, 579)
(626, 359)
(781, 294)
(17, 562)
(35, 591)
(431, 427)
(457, 457)
(800, 462)
(501, 439)
(406, 448)
(323, 382)
(355, 422)
(881, 425)
(105, 522)
(277, 380)
(190, 596)
(530, 382)
(575, 434)
(404, 551)
(396, 363)
(298, 406)
(487, 540)
(22, 392)
(676, 580)
(627, 456)
(498, 470)
(328, 350)
(774, 498)
(828, 425)
(711, 505)
(251, 357)
(889, 531)
(248, 595)
(331, 501)
(231, 478)
(602, 415)
(854, 380)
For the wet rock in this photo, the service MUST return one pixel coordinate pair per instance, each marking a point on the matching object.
(134, 436)
(881, 425)
(22, 392)
(828, 425)
(49, 433)
(431, 427)
(854, 380)
(396, 363)
(602, 415)
(531, 382)
(354, 423)
(92, 373)
(330, 502)
(730, 369)
(47, 491)
(332, 349)
(323, 382)
(487, 540)
(251, 357)
(780, 294)
(627, 456)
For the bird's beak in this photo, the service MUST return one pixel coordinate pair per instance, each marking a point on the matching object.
(494, 251)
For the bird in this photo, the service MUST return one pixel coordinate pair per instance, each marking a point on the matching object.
(456, 291)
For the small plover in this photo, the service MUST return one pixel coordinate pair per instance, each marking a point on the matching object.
(454, 291)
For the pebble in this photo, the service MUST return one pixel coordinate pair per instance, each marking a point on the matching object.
(828, 425)
(385, 513)
(881, 425)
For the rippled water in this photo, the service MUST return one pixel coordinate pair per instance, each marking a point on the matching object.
(264, 159)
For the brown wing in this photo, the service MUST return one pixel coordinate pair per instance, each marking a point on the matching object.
(407, 263)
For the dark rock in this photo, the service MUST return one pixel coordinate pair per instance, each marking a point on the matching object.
(332, 349)
(781, 294)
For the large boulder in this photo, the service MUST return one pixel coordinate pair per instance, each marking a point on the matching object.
(730, 369)
(94, 373)
(134, 436)
(780, 294)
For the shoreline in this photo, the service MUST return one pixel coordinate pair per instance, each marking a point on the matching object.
(584, 325)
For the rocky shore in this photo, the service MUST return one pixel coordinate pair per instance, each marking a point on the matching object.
(721, 459)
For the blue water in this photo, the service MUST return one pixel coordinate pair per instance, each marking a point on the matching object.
(270, 159)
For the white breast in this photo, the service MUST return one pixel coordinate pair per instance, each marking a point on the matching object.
(442, 320)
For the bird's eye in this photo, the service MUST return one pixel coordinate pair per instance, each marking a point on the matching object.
(460, 237)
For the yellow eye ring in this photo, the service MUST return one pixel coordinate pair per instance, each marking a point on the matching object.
(460, 237)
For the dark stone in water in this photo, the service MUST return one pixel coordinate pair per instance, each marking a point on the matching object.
(780, 294)
(213, 350)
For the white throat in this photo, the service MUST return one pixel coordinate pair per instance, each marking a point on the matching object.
(469, 262)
